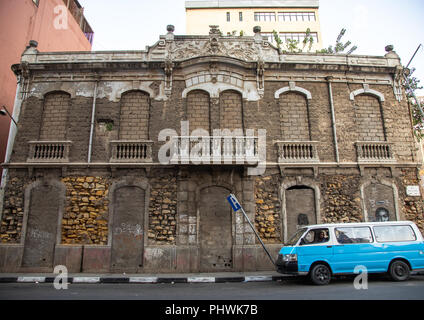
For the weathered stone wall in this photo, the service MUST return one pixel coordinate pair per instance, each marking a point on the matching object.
(13, 209)
(268, 213)
(412, 207)
(85, 220)
(341, 199)
(163, 209)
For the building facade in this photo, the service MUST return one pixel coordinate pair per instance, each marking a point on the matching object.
(57, 25)
(121, 161)
(290, 19)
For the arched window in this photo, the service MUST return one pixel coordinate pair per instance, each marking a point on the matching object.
(369, 118)
(231, 109)
(55, 114)
(134, 118)
(198, 110)
(294, 117)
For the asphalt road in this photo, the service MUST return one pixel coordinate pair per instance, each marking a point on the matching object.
(340, 289)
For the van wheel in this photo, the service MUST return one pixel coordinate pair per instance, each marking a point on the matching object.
(320, 275)
(399, 271)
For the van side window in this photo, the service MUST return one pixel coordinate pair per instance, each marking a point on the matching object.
(353, 235)
(394, 233)
(316, 236)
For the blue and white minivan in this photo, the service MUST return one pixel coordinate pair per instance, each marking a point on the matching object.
(323, 251)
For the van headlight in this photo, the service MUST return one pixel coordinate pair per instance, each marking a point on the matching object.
(290, 257)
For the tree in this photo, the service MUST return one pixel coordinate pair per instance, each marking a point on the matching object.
(411, 85)
(340, 47)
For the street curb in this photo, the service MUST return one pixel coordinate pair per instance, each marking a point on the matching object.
(141, 279)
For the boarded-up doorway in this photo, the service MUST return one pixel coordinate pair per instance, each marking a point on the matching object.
(42, 224)
(380, 203)
(300, 208)
(127, 230)
(216, 239)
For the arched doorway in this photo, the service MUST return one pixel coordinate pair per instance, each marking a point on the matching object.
(128, 229)
(215, 230)
(300, 208)
(45, 203)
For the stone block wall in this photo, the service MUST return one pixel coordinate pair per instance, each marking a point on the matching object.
(13, 209)
(163, 209)
(85, 220)
(268, 208)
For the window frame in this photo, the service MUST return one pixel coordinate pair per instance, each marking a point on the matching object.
(240, 16)
(297, 16)
(350, 243)
(401, 225)
(262, 16)
(327, 230)
(228, 17)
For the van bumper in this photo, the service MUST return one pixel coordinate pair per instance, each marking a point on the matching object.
(286, 267)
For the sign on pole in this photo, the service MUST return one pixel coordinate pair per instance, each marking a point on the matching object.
(236, 207)
(234, 203)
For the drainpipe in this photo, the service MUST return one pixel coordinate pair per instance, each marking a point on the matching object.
(93, 116)
(333, 118)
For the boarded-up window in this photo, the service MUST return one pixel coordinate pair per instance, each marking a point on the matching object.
(134, 123)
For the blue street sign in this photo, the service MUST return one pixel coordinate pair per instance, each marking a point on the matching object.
(234, 203)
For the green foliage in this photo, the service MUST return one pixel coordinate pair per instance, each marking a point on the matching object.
(339, 47)
(411, 85)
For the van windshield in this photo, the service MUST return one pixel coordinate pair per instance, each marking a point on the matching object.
(295, 238)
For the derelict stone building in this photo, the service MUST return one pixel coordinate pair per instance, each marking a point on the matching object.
(119, 163)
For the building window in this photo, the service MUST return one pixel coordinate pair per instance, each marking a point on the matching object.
(296, 16)
(228, 17)
(264, 16)
(298, 36)
(240, 16)
(36, 2)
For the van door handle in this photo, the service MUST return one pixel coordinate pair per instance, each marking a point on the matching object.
(329, 247)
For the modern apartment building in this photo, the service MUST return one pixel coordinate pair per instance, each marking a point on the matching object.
(55, 25)
(289, 18)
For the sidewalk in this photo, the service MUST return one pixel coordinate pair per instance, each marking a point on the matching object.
(222, 277)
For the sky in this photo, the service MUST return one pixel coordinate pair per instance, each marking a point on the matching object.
(370, 24)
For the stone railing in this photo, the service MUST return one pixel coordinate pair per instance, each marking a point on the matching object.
(297, 152)
(49, 151)
(215, 149)
(374, 152)
(131, 151)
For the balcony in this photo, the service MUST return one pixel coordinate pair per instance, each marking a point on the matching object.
(49, 151)
(215, 150)
(131, 151)
(374, 152)
(297, 152)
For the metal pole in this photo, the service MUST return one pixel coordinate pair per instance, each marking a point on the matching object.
(257, 235)
(93, 116)
(333, 119)
(10, 116)
(413, 56)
